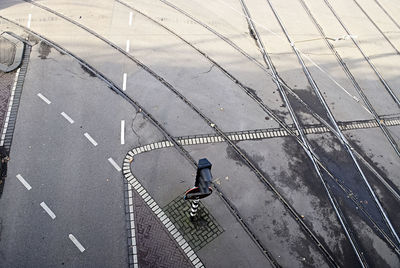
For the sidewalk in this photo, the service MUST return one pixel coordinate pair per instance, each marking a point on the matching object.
(164, 235)
(12, 54)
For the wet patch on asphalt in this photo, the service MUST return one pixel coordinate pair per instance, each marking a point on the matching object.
(44, 50)
(88, 71)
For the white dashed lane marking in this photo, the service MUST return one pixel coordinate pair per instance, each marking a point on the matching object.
(127, 45)
(10, 105)
(124, 81)
(122, 131)
(29, 20)
(114, 164)
(130, 18)
(46, 100)
(48, 210)
(24, 182)
(76, 242)
(90, 139)
(69, 119)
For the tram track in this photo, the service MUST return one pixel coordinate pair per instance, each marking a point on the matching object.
(377, 27)
(262, 105)
(333, 121)
(308, 150)
(352, 79)
(256, 99)
(211, 123)
(231, 207)
(356, 85)
(384, 181)
(387, 14)
(246, 89)
(221, 36)
(377, 73)
(297, 217)
(347, 191)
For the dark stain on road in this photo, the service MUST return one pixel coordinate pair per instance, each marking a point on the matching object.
(254, 93)
(232, 154)
(365, 242)
(388, 201)
(282, 115)
(33, 39)
(44, 50)
(301, 172)
(340, 164)
(308, 97)
(88, 71)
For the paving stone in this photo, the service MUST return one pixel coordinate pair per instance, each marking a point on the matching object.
(156, 247)
(198, 233)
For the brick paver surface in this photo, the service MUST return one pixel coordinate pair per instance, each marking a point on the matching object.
(197, 233)
(6, 83)
(156, 248)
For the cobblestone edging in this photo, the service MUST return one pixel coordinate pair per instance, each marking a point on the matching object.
(130, 219)
(260, 134)
(279, 132)
(134, 184)
(11, 117)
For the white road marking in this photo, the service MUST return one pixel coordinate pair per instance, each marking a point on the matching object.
(122, 131)
(124, 81)
(69, 119)
(29, 20)
(76, 242)
(10, 104)
(46, 100)
(127, 45)
(90, 139)
(114, 164)
(24, 182)
(48, 210)
(130, 18)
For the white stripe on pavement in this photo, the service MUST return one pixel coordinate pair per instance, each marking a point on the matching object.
(24, 182)
(69, 119)
(130, 18)
(127, 45)
(29, 20)
(48, 210)
(46, 100)
(122, 131)
(115, 165)
(90, 139)
(124, 81)
(10, 105)
(76, 242)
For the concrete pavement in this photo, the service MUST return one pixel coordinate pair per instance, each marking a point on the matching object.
(67, 164)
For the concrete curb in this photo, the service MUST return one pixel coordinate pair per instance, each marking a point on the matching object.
(11, 116)
(134, 184)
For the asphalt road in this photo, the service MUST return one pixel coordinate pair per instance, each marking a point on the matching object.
(65, 171)
(224, 80)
